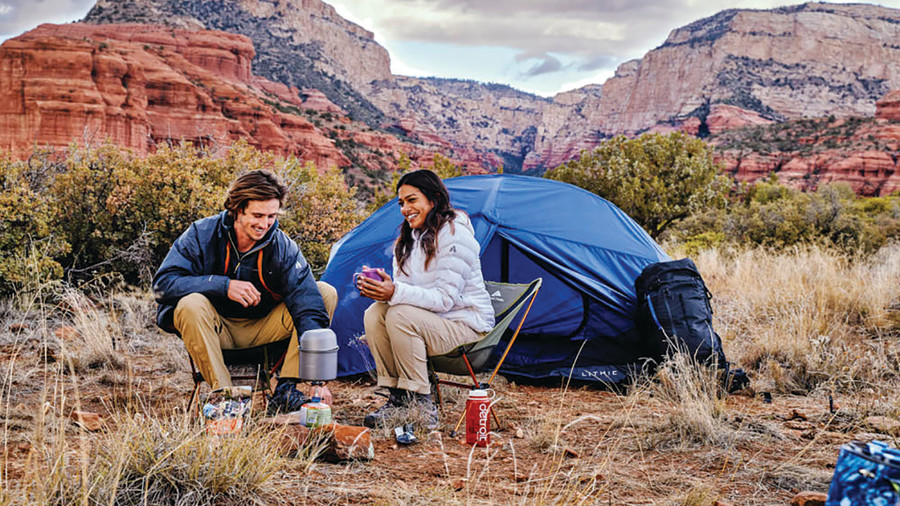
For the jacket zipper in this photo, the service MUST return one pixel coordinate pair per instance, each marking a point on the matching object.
(241, 257)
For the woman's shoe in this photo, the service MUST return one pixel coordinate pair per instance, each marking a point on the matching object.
(397, 398)
(428, 411)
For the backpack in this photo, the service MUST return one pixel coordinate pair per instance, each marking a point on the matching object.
(674, 315)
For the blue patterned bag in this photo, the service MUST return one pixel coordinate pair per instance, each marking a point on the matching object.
(866, 474)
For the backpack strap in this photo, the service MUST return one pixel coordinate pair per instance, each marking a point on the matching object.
(227, 257)
(259, 269)
(653, 313)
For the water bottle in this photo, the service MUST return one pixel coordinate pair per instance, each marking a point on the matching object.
(315, 413)
(478, 418)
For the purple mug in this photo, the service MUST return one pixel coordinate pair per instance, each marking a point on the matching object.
(368, 272)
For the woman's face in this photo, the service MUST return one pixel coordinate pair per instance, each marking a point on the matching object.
(414, 205)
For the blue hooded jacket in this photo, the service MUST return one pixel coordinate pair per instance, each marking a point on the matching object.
(204, 259)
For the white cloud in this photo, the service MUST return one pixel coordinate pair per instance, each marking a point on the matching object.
(18, 16)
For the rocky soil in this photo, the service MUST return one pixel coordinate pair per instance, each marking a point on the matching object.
(558, 443)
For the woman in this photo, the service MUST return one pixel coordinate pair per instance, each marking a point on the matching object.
(435, 302)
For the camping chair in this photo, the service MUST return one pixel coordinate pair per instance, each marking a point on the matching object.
(469, 359)
(260, 356)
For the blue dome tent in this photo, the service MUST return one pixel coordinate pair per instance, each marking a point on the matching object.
(587, 251)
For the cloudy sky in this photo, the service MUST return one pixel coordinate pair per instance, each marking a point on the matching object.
(540, 46)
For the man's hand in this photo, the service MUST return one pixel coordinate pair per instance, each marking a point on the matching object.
(378, 290)
(243, 292)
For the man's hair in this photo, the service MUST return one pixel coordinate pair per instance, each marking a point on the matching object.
(254, 185)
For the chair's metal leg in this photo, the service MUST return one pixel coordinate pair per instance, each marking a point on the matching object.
(471, 371)
(496, 420)
(459, 422)
(437, 388)
(194, 398)
(198, 380)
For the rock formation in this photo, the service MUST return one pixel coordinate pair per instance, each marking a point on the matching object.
(735, 68)
(808, 60)
(301, 43)
(138, 85)
(805, 154)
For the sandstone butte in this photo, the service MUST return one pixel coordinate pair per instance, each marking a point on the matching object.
(871, 167)
(138, 85)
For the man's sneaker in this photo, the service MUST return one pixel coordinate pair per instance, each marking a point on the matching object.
(396, 399)
(286, 398)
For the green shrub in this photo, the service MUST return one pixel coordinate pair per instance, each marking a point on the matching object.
(122, 213)
(319, 210)
(28, 245)
(772, 215)
(656, 179)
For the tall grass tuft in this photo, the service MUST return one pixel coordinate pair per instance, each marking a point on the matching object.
(693, 396)
(94, 345)
(146, 460)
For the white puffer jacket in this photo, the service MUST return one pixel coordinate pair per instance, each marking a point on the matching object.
(452, 285)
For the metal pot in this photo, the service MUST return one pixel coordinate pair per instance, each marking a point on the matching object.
(318, 355)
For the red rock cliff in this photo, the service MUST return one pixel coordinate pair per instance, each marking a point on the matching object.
(138, 85)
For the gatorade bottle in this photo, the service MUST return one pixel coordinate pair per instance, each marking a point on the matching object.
(315, 413)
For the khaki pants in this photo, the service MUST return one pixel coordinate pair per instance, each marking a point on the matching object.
(206, 333)
(402, 337)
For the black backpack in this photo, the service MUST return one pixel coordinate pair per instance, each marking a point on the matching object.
(674, 311)
(674, 315)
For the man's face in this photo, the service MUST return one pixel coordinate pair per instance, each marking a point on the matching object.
(255, 220)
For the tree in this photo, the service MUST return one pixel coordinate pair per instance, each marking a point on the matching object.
(656, 179)
(319, 209)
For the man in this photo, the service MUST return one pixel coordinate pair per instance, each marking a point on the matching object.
(235, 281)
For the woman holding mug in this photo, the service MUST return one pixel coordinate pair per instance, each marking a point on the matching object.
(435, 302)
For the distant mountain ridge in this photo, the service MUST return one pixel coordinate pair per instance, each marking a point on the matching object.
(302, 43)
(739, 65)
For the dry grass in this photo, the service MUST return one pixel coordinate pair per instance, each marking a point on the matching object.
(149, 460)
(808, 317)
(94, 343)
(804, 323)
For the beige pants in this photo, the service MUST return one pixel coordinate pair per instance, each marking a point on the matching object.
(402, 337)
(206, 333)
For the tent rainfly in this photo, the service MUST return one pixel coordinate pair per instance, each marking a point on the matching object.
(587, 251)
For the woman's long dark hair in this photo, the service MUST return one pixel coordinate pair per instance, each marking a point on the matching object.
(434, 190)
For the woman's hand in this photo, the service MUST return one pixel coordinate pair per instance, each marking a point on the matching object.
(377, 290)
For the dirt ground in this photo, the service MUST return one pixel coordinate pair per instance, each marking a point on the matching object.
(580, 444)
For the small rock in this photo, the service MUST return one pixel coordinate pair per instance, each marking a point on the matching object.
(87, 420)
(18, 327)
(345, 442)
(521, 478)
(292, 438)
(459, 484)
(570, 453)
(809, 499)
(520, 434)
(796, 415)
(884, 425)
(65, 333)
(720, 502)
